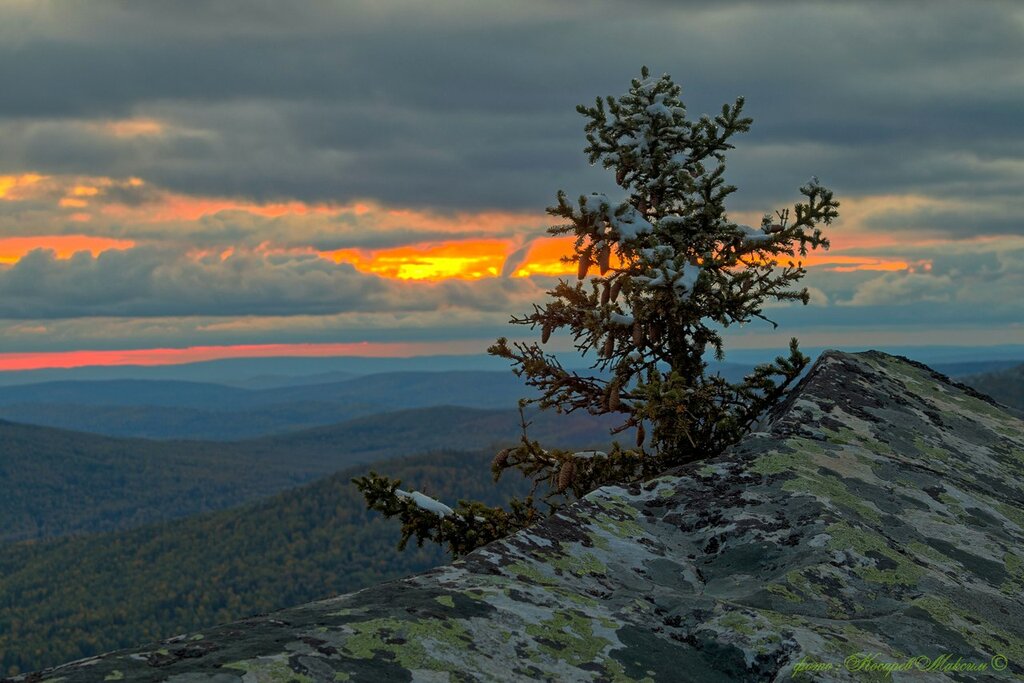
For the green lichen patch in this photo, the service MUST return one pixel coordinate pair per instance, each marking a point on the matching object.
(828, 488)
(578, 564)
(1014, 584)
(953, 505)
(921, 550)
(783, 592)
(617, 516)
(974, 628)
(899, 570)
(412, 644)
(706, 471)
(738, 622)
(620, 528)
(930, 452)
(779, 461)
(273, 669)
(1013, 513)
(530, 572)
(568, 636)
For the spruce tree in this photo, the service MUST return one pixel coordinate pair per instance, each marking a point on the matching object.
(660, 273)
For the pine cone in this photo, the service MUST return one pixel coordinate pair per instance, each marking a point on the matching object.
(613, 396)
(616, 286)
(501, 458)
(638, 335)
(545, 334)
(565, 475)
(584, 264)
(640, 435)
(605, 294)
(604, 258)
(609, 346)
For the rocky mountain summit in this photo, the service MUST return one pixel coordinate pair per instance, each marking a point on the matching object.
(875, 526)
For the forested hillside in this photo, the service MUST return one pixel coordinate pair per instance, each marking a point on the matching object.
(58, 482)
(69, 598)
(1005, 386)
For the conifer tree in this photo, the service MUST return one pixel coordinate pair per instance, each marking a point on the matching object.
(660, 273)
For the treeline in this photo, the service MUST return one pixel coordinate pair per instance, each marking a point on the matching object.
(74, 597)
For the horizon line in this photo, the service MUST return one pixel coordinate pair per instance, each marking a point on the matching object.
(171, 356)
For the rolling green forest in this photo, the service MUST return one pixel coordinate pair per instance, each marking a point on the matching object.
(68, 598)
(58, 482)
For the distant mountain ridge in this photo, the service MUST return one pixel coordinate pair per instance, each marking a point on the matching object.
(241, 371)
(175, 409)
(124, 392)
(172, 409)
(268, 371)
(399, 389)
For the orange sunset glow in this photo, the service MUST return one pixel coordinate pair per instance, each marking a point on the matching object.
(13, 249)
(466, 260)
(476, 259)
(11, 186)
(194, 354)
(130, 128)
(470, 258)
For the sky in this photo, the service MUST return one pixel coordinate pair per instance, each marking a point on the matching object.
(204, 178)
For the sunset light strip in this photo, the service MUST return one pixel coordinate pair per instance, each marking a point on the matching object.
(13, 249)
(463, 259)
(193, 354)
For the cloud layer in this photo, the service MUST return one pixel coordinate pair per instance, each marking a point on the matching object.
(253, 163)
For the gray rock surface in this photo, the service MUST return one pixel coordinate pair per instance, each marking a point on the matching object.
(877, 521)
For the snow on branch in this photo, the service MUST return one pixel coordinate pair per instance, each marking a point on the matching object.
(425, 502)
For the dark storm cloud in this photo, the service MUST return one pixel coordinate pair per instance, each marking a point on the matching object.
(465, 105)
(982, 220)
